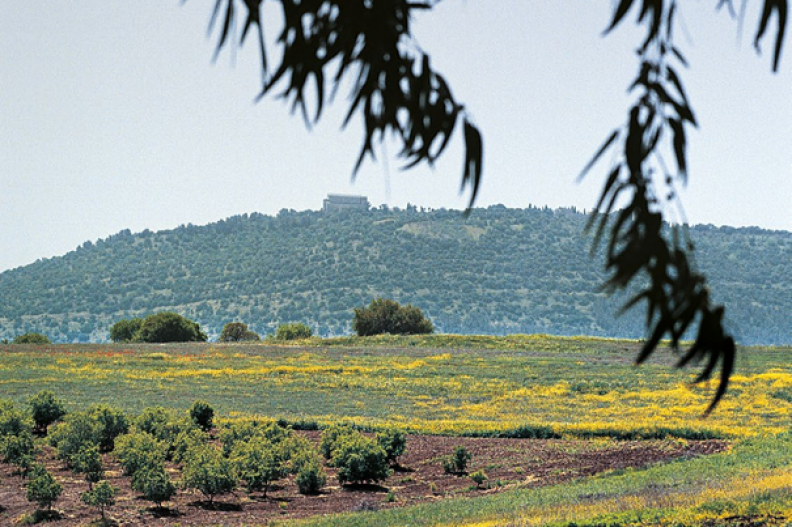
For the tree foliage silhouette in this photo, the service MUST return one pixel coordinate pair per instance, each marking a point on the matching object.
(396, 90)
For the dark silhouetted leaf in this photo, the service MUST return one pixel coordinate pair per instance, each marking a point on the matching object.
(618, 15)
(602, 149)
(780, 7)
(473, 160)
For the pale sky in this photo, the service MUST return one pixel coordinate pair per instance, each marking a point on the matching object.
(113, 116)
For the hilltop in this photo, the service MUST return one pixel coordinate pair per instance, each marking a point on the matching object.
(499, 271)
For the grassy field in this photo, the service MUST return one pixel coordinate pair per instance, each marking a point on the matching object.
(436, 384)
(453, 385)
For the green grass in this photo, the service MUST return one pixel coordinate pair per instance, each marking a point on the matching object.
(516, 386)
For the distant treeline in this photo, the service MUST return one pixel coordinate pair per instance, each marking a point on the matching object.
(498, 271)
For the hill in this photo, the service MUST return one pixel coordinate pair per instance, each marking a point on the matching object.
(498, 271)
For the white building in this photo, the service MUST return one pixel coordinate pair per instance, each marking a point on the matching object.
(342, 202)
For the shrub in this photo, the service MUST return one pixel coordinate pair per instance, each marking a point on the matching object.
(126, 330)
(101, 496)
(202, 414)
(293, 331)
(387, 316)
(169, 327)
(360, 459)
(137, 450)
(31, 338)
(393, 442)
(154, 483)
(237, 332)
(208, 472)
(310, 478)
(42, 488)
(457, 462)
(45, 409)
(479, 477)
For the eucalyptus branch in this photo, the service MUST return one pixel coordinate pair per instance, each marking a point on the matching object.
(395, 90)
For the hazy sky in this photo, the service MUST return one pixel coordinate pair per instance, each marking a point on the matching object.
(112, 116)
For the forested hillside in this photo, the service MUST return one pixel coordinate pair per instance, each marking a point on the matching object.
(498, 271)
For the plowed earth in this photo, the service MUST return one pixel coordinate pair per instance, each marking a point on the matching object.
(418, 478)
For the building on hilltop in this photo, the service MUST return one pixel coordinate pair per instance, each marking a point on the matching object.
(343, 202)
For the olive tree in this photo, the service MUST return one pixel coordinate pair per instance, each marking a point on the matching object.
(45, 409)
(168, 326)
(237, 332)
(387, 316)
(126, 330)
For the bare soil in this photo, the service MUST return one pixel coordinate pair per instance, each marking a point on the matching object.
(418, 478)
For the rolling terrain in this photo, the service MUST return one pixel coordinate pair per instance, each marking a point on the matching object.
(499, 271)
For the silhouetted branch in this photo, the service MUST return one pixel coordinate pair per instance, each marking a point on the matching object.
(395, 89)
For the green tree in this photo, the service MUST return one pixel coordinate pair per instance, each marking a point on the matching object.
(31, 338)
(333, 435)
(13, 422)
(393, 442)
(45, 409)
(237, 332)
(88, 462)
(310, 478)
(19, 450)
(400, 95)
(165, 425)
(184, 441)
(457, 462)
(202, 414)
(236, 432)
(207, 471)
(112, 422)
(387, 316)
(77, 431)
(126, 330)
(297, 451)
(258, 463)
(360, 459)
(154, 483)
(138, 449)
(101, 496)
(169, 327)
(155, 420)
(479, 477)
(43, 488)
(293, 331)
(98, 426)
